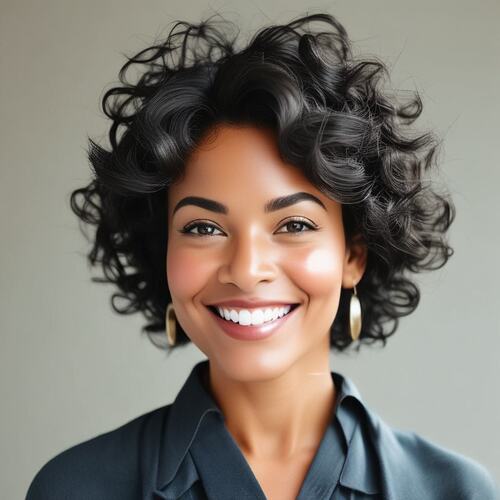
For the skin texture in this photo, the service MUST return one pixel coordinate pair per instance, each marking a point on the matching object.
(276, 394)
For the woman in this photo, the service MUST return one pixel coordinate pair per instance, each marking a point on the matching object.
(266, 204)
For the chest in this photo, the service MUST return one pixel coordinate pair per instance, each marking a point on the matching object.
(281, 480)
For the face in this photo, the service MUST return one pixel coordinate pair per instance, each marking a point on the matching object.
(295, 254)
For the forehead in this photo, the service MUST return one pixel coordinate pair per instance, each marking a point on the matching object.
(239, 158)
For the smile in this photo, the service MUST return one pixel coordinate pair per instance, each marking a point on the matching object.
(256, 316)
(256, 324)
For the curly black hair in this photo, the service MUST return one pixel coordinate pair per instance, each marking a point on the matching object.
(349, 136)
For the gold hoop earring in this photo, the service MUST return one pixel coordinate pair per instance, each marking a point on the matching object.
(170, 325)
(355, 315)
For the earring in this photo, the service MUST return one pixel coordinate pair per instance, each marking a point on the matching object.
(355, 315)
(170, 325)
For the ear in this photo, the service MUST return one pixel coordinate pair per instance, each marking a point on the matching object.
(355, 261)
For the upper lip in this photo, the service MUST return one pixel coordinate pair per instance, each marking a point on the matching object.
(249, 303)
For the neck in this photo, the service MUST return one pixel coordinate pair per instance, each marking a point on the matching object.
(281, 417)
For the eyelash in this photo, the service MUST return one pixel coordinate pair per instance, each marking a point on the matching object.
(186, 230)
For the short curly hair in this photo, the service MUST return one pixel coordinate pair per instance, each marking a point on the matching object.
(332, 120)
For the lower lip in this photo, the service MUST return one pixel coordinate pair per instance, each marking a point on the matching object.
(251, 332)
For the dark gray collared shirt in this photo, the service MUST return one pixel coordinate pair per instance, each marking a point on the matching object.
(202, 457)
(184, 451)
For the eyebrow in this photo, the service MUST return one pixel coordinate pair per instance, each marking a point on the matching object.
(271, 206)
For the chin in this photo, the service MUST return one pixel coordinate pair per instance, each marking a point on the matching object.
(248, 366)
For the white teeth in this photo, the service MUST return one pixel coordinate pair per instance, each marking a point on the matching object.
(268, 314)
(254, 316)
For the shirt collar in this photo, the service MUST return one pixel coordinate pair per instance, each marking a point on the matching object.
(186, 413)
(360, 467)
(193, 403)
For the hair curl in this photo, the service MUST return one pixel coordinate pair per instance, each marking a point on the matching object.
(332, 120)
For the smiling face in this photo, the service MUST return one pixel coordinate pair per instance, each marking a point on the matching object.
(239, 246)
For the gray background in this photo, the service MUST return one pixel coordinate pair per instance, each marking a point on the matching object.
(70, 368)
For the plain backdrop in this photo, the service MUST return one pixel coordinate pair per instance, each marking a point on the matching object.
(70, 368)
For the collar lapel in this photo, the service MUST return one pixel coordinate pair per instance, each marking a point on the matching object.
(402, 471)
(188, 410)
(360, 470)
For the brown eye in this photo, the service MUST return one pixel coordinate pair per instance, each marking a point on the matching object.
(294, 225)
(204, 229)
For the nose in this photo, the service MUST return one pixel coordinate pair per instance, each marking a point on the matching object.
(250, 258)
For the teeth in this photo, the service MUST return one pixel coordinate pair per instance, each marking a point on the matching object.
(253, 316)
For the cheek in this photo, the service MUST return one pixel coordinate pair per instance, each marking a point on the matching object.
(187, 274)
(318, 272)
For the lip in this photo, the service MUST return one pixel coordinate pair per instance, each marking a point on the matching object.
(250, 303)
(251, 332)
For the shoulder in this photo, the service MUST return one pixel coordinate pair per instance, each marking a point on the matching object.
(104, 467)
(417, 467)
(461, 476)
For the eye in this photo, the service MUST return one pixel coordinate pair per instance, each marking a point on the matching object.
(197, 225)
(295, 222)
(207, 229)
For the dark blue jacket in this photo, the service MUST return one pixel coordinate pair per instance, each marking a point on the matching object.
(184, 451)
